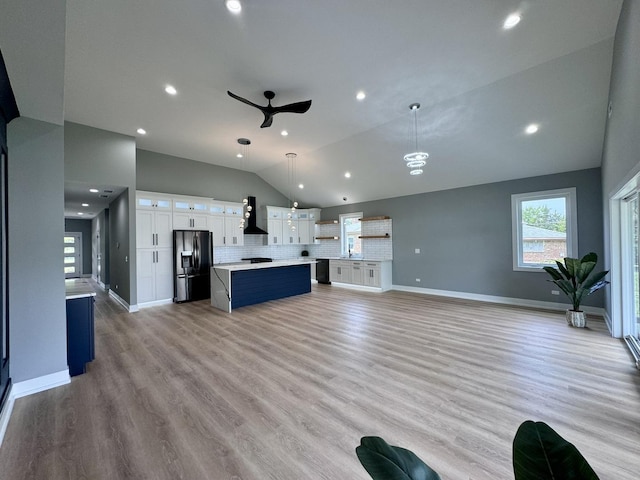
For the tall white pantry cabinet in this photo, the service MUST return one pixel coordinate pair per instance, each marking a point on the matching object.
(154, 247)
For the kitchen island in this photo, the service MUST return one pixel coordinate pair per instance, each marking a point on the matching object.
(80, 297)
(238, 285)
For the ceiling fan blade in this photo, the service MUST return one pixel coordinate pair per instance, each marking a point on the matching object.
(298, 107)
(268, 120)
(244, 100)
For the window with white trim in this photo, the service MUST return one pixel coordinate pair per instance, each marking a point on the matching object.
(544, 228)
(350, 231)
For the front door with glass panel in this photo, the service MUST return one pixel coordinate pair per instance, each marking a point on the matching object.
(72, 255)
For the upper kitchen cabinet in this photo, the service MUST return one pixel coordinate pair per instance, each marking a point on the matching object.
(190, 214)
(274, 225)
(153, 201)
(291, 228)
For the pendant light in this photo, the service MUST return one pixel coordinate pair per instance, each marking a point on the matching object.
(244, 155)
(417, 159)
(291, 170)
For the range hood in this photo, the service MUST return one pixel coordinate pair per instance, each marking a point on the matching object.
(252, 228)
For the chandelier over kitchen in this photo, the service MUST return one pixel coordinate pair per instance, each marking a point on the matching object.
(417, 159)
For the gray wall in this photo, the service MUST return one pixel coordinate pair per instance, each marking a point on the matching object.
(37, 307)
(119, 247)
(464, 235)
(157, 172)
(99, 157)
(83, 227)
(621, 155)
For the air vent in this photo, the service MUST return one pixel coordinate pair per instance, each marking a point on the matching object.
(108, 191)
(104, 196)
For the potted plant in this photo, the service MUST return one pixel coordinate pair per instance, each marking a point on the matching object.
(575, 279)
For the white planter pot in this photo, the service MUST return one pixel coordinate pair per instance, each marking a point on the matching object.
(576, 319)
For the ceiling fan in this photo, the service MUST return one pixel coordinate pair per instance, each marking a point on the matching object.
(269, 111)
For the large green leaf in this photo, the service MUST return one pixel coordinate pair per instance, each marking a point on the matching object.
(595, 282)
(572, 264)
(555, 274)
(585, 269)
(563, 270)
(590, 257)
(386, 462)
(539, 453)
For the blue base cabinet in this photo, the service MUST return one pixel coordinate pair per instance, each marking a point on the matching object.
(261, 285)
(80, 334)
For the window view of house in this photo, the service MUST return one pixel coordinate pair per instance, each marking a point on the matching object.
(544, 229)
(351, 231)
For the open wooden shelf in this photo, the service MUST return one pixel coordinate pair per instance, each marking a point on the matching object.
(327, 238)
(371, 219)
(326, 222)
(386, 235)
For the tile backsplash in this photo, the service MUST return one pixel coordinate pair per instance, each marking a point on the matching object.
(254, 245)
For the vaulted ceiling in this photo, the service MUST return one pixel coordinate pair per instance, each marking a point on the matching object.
(478, 84)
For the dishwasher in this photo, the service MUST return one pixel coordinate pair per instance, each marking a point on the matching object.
(322, 270)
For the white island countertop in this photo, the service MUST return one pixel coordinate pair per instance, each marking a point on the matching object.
(254, 266)
(78, 289)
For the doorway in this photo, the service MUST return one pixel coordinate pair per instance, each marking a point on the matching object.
(72, 255)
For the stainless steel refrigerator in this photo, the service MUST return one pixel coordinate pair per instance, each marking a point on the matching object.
(193, 257)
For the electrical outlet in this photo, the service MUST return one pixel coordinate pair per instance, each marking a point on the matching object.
(418, 280)
(417, 250)
(555, 292)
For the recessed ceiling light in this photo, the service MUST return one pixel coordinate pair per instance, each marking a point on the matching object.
(85, 204)
(170, 89)
(531, 129)
(94, 190)
(511, 21)
(284, 133)
(141, 131)
(361, 95)
(234, 6)
(301, 186)
(347, 175)
(80, 213)
(239, 155)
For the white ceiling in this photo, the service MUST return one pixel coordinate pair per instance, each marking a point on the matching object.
(479, 86)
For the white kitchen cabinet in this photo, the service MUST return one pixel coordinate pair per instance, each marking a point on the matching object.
(153, 201)
(154, 253)
(340, 271)
(314, 216)
(303, 228)
(375, 274)
(274, 228)
(233, 234)
(154, 229)
(275, 225)
(372, 275)
(190, 221)
(357, 273)
(154, 272)
(215, 224)
(190, 213)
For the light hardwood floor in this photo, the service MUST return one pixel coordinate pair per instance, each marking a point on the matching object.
(285, 390)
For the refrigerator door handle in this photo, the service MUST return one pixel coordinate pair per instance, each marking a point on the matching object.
(195, 251)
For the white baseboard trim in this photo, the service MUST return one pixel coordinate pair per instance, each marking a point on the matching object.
(40, 384)
(607, 320)
(353, 286)
(519, 302)
(29, 387)
(120, 300)
(166, 301)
